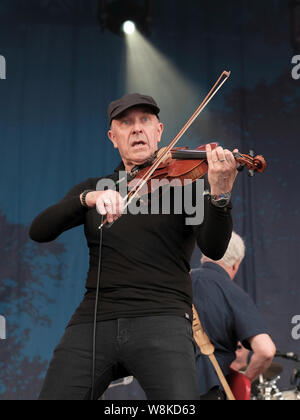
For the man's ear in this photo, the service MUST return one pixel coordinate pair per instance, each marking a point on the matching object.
(112, 138)
(160, 131)
(236, 266)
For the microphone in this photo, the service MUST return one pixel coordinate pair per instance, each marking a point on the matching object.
(289, 355)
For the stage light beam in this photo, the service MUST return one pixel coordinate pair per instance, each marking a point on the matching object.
(150, 72)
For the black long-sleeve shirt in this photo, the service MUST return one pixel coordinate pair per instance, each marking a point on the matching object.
(145, 258)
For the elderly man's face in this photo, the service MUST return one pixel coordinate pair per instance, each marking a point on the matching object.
(136, 135)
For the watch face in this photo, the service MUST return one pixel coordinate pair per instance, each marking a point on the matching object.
(219, 197)
(225, 196)
(221, 200)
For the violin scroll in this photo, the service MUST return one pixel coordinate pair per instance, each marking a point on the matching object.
(253, 163)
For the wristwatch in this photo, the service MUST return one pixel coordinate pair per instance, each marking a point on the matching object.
(220, 200)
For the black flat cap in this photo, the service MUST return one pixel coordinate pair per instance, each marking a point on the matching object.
(116, 108)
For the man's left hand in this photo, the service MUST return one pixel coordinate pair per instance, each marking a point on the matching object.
(222, 170)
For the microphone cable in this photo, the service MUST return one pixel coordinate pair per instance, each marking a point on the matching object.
(96, 312)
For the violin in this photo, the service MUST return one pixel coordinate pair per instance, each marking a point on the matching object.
(181, 163)
(187, 165)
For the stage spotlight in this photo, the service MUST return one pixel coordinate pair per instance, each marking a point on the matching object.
(124, 16)
(128, 27)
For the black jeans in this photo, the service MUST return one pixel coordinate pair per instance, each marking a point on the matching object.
(159, 351)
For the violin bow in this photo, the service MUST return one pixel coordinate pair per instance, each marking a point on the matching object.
(143, 181)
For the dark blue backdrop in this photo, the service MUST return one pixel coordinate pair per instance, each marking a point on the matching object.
(61, 73)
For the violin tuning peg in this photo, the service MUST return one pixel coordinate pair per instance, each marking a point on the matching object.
(240, 167)
(251, 172)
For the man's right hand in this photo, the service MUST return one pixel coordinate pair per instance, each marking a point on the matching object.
(109, 203)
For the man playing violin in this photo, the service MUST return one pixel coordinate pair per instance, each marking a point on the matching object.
(144, 315)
